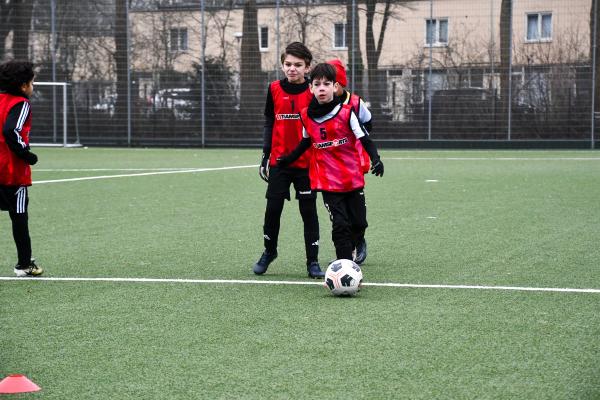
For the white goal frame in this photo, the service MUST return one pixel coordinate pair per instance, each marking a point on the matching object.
(64, 101)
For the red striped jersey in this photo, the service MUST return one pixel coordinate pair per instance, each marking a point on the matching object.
(365, 162)
(335, 163)
(287, 128)
(13, 170)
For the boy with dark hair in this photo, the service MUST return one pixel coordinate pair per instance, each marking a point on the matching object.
(16, 86)
(364, 117)
(335, 167)
(282, 133)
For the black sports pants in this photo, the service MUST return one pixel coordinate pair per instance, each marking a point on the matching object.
(348, 214)
(278, 190)
(15, 200)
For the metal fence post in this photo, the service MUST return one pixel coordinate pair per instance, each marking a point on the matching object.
(53, 57)
(510, 62)
(128, 60)
(277, 44)
(429, 81)
(353, 51)
(593, 116)
(202, 77)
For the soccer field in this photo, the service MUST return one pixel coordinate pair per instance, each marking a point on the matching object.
(481, 281)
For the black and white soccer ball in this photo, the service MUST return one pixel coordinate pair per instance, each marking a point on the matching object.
(343, 277)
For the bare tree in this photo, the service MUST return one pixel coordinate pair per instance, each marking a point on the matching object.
(251, 85)
(374, 45)
(355, 61)
(15, 16)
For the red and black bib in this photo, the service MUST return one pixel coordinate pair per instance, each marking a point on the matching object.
(335, 164)
(287, 128)
(13, 170)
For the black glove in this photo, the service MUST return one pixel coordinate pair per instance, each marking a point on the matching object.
(377, 167)
(263, 169)
(284, 161)
(30, 157)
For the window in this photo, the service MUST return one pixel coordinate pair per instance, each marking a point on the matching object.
(264, 37)
(436, 32)
(339, 36)
(179, 39)
(539, 27)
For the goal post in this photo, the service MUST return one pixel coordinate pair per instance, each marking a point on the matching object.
(51, 116)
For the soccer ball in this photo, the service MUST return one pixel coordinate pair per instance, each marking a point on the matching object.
(343, 277)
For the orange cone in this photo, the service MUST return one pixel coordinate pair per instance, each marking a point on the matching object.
(17, 384)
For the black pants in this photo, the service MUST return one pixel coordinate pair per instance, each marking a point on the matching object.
(278, 191)
(15, 200)
(348, 214)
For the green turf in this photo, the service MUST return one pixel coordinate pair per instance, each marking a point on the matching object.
(521, 222)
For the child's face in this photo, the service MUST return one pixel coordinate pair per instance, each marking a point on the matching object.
(27, 88)
(294, 69)
(323, 89)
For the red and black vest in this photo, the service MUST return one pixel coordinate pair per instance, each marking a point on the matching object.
(365, 162)
(335, 163)
(13, 170)
(287, 128)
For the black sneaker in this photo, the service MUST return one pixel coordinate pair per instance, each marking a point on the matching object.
(263, 262)
(314, 270)
(361, 252)
(31, 270)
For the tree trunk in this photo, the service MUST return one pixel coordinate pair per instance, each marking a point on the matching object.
(505, 49)
(5, 15)
(377, 94)
(22, 25)
(251, 85)
(355, 63)
(120, 56)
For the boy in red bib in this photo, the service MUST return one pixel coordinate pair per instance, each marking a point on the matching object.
(282, 133)
(16, 86)
(335, 168)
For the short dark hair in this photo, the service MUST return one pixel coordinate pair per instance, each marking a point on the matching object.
(14, 74)
(299, 50)
(323, 70)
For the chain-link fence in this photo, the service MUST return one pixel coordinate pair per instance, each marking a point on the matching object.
(434, 72)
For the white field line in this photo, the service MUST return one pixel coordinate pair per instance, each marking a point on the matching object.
(180, 171)
(495, 158)
(108, 169)
(306, 283)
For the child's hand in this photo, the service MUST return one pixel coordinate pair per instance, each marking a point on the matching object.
(263, 169)
(30, 157)
(377, 168)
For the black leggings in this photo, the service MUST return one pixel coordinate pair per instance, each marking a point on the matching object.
(20, 229)
(308, 211)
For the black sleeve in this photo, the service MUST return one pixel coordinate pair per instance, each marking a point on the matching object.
(368, 126)
(370, 148)
(12, 129)
(299, 150)
(269, 122)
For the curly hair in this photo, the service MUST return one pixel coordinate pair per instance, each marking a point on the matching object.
(14, 74)
(299, 50)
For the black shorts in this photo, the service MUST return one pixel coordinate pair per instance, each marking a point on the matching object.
(14, 199)
(280, 180)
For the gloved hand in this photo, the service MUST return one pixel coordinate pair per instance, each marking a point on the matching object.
(30, 158)
(263, 169)
(283, 161)
(377, 167)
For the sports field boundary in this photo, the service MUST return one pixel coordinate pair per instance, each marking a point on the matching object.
(180, 171)
(306, 283)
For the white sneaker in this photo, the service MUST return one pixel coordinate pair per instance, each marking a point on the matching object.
(31, 270)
